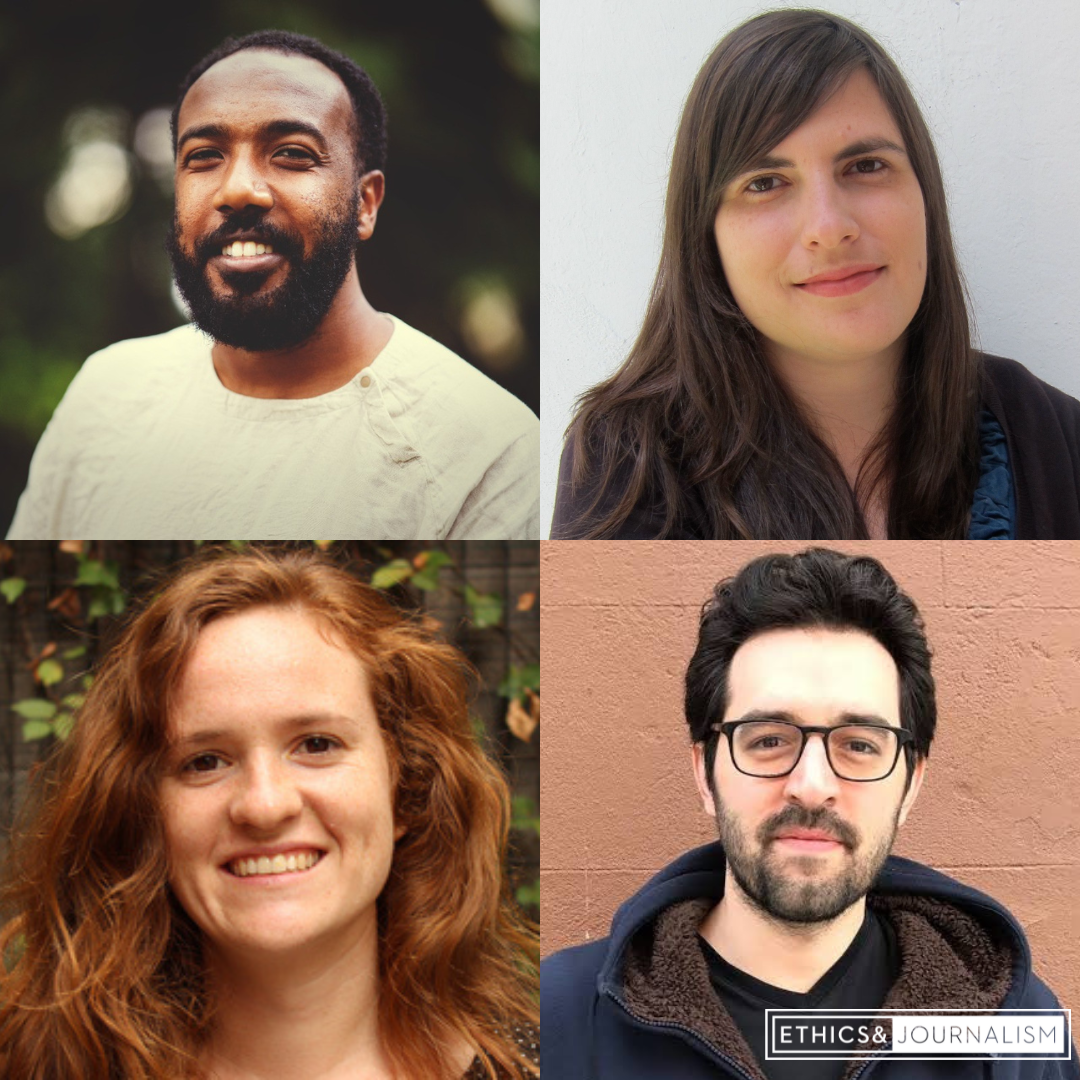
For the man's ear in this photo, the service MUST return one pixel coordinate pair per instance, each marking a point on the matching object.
(913, 790)
(372, 190)
(701, 778)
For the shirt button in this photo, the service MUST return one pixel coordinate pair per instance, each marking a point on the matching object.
(365, 381)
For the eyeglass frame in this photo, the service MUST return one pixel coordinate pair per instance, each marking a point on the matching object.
(903, 739)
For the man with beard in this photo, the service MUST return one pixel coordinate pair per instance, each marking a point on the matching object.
(291, 407)
(811, 710)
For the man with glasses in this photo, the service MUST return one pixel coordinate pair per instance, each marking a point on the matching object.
(811, 710)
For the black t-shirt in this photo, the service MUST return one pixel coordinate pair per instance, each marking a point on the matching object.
(860, 979)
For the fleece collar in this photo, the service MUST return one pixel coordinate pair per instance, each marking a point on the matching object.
(958, 949)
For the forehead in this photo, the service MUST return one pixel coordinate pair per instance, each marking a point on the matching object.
(267, 663)
(854, 111)
(815, 674)
(257, 86)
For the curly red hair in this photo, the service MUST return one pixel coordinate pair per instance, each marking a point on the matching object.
(104, 972)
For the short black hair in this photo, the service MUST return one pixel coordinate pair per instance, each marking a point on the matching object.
(816, 588)
(369, 113)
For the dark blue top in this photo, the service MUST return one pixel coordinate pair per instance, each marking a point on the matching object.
(993, 513)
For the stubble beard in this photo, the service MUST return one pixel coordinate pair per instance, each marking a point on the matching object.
(282, 317)
(778, 886)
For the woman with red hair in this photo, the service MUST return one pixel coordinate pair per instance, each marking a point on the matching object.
(270, 848)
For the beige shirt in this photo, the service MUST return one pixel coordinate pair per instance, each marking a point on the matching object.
(148, 444)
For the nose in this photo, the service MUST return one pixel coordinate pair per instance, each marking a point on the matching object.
(242, 184)
(827, 219)
(812, 782)
(266, 795)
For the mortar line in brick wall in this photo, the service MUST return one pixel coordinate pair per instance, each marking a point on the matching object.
(693, 605)
(590, 870)
(941, 567)
(1014, 866)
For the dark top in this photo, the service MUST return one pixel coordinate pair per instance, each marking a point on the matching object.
(860, 979)
(1042, 441)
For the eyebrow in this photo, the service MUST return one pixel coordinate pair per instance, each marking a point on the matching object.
(271, 130)
(843, 718)
(863, 146)
(301, 722)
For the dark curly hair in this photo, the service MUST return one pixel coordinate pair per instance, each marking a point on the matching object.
(816, 588)
(369, 113)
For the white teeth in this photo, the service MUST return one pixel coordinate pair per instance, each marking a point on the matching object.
(279, 864)
(238, 249)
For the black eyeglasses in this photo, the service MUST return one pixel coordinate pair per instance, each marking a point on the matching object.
(772, 748)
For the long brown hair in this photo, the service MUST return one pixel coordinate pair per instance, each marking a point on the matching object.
(105, 973)
(694, 422)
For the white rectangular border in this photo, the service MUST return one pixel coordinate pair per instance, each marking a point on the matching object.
(818, 1055)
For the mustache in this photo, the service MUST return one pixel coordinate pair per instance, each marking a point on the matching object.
(284, 243)
(799, 817)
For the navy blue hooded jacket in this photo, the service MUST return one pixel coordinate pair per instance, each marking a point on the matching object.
(638, 1005)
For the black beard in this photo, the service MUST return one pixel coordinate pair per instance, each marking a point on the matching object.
(287, 315)
(785, 896)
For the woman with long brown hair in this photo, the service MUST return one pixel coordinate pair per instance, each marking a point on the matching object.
(271, 847)
(805, 367)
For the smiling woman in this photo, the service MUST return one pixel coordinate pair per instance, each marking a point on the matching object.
(271, 836)
(805, 367)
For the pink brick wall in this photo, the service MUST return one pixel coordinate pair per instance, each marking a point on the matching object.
(1000, 808)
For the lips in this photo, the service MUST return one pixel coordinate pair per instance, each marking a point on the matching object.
(850, 283)
(247, 263)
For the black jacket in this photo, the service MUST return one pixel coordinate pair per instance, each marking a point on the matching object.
(638, 1005)
(1042, 428)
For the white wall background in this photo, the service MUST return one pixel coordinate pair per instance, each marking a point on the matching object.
(999, 85)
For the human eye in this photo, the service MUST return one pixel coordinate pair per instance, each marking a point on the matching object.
(752, 190)
(202, 156)
(867, 743)
(870, 161)
(320, 745)
(202, 763)
(295, 154)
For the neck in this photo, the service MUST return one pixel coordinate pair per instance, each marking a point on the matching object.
(348, 339)
(848, 401)
(309, 1012)
(792, 956)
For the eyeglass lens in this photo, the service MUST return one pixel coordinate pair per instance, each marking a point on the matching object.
(857, 752)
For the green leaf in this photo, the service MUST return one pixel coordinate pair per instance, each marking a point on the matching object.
(519, 679)
(427, 577)
(73, 701)
(393, 573)
(528, 895)
(50, 672)
(74, 652)
(523, 814)
(98, 608)
(484, 608)
(12, 588)
(87, 681)
(34, 709)
(96, 572)
(62, 724)
(36, 729)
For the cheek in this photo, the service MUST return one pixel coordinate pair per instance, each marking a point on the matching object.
(753, 251)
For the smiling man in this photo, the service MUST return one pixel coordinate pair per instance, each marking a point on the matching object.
(291, 406)
(811, 709)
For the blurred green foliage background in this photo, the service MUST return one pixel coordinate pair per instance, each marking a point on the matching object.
(87, 193)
